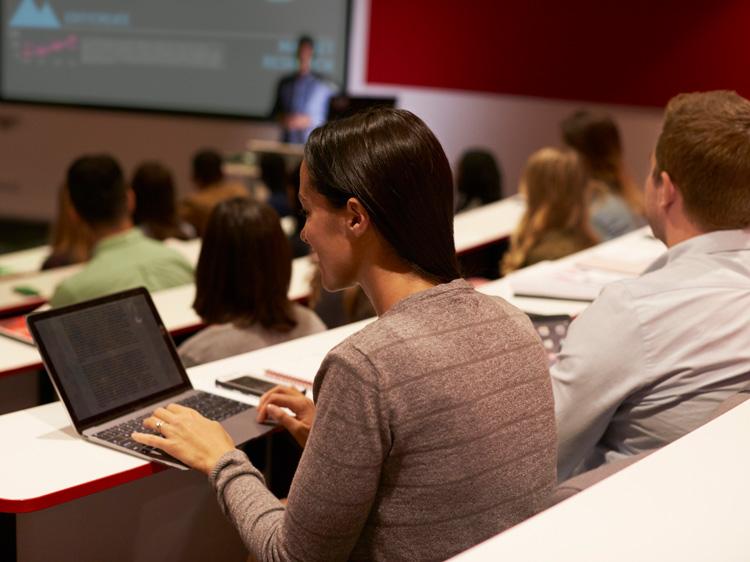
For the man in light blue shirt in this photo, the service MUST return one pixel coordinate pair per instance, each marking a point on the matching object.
(302, 98)
(653, 357)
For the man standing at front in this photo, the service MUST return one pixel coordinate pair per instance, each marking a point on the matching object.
(652, 357)
(302, 98)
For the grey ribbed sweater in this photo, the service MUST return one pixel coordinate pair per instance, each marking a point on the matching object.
(434, 431)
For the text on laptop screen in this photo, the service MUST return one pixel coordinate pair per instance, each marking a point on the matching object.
(109, 355)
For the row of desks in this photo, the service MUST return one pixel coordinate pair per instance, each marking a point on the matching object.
(34, 435)
(473, 229)
(50, 479)
(299, 357)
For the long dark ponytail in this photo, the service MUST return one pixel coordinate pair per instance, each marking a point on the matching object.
(394, 165)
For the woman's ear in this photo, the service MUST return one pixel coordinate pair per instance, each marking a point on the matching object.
(357, 218)
(668, 192)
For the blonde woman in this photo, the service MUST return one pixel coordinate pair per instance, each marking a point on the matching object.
(556, 222)
(616, 202)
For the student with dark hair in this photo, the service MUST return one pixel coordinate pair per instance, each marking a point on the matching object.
(390, 468)
(207, 167)
(212, 188)
(274, 176)
(155, 203)
(653, 357)
(241, 285)
(616, 202)
(479, 180)
(299, 248)
(123, 257)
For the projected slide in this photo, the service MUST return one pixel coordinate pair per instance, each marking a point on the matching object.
(182, 55)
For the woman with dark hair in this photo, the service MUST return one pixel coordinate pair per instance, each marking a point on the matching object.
(156, 204)
(479, 180)
(616, 205)
(299, 248)
(274, 176)
(241, 285)
(434, 425)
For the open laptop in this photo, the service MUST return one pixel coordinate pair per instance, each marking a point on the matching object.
(113, 362)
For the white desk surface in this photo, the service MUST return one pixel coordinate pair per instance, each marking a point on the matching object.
(473, 229)
(175, 305)
(488, 224)
(37, 438)
(548, 307)
(582, 275)
(689, 501)
(634, 250)
(23, 261)
(38, 434)
(43, 282)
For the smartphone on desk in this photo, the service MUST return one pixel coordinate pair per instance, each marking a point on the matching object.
(247, 384)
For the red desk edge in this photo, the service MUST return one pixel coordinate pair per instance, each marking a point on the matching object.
(79, 491)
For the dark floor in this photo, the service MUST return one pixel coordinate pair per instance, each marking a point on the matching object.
(16, 234)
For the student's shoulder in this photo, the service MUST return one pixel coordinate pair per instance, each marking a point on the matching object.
(439, 313)
(670, 278)
(64, 294)
(325, 80)
(89, 282)
(160, 250)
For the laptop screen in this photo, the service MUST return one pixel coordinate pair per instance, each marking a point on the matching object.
(108, 355)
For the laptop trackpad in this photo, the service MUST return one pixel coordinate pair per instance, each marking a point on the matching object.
(159, 455)
(243, 427)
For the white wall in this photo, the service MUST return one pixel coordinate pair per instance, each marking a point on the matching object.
(37, 149)
(37, 143)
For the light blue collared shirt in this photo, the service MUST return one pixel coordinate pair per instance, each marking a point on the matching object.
(652, 357)
(307, 94)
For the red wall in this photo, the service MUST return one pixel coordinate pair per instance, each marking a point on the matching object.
(635, 52)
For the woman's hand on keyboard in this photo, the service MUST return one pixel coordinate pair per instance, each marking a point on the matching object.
(271, 406)
(187, 436)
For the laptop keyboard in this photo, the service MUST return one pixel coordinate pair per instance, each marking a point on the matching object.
(211, 406)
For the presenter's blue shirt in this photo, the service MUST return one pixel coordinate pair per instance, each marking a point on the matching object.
(307, 94)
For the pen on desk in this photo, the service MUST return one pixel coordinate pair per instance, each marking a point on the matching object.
(26, 290)
(288, 378)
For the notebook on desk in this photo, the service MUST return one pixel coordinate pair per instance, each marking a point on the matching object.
(16, 328)
(563, 281)
(113, 362)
